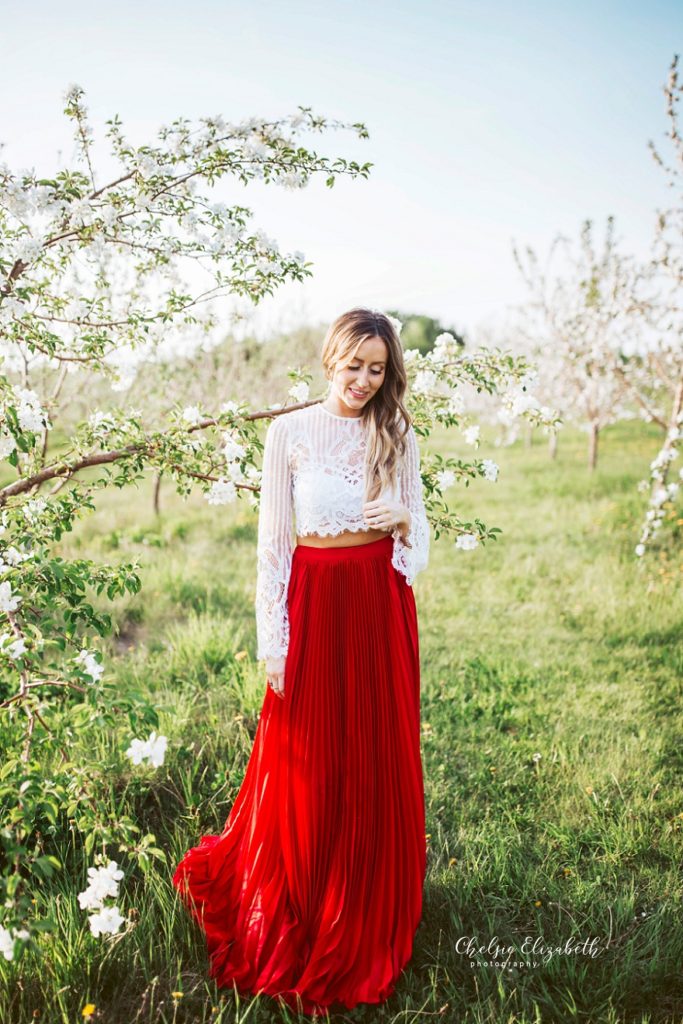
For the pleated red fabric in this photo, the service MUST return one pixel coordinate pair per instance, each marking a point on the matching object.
(313, 891)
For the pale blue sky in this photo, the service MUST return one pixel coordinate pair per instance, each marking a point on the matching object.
(488, 121)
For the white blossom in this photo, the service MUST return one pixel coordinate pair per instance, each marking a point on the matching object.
(522, 402)
(471, 434)
(7, 444)
(152, 749)
(29, 412)
(6, 943)
(90, 665)
(232, 449)
(8, 601)
(490, 469)
(27, 249)
(236, 473)
(106, 920)
(445, 479)
(34, 508)
(15, 557)
(103, 883)
(15, 648)
(125, 375)
(299, 391)
(424, 380)
(192, 414)
(467, 541)
(101, 420)
(456, 404)
(222, 492)
(11, 308)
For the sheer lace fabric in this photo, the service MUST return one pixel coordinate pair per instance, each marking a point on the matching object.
(312, 483)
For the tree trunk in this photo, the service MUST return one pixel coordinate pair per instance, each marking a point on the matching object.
(552, 444)
(669, 442)
(157, 489)
(593, 446)
(528, 435)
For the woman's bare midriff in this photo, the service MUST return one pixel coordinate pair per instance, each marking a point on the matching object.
(342, 540)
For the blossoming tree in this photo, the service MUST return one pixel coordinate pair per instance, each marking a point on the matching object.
(94, 269)
(577, 324)
(660, 393)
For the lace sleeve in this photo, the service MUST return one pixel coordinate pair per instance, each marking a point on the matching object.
(410, 555)
(275, 544)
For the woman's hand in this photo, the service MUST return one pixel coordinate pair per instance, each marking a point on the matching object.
(275, 671)
(387, 515)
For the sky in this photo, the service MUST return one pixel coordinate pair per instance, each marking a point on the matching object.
(489, 123)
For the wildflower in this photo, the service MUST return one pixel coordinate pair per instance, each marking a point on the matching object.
(104, 882)
(108, 919)
(6, 943)
(153, 749)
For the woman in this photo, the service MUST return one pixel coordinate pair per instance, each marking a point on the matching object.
(313, 891)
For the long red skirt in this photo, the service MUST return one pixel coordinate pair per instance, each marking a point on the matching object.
(313, 891)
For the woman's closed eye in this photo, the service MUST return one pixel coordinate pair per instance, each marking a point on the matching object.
(358, 368)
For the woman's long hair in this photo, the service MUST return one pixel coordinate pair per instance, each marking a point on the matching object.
(386, 418)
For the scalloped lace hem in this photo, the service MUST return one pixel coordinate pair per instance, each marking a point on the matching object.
(336, 530)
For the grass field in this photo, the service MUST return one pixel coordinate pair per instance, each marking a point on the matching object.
(552, 670)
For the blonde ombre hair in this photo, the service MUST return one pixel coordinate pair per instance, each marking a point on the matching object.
(386, 418)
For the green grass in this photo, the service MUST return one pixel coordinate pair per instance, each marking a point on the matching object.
(552, 641)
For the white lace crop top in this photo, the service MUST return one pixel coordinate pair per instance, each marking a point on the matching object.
(313, 466)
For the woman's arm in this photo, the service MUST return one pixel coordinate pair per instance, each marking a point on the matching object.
(275, 544)
(411, 542)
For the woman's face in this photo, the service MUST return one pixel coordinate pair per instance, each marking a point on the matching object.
(356, 383)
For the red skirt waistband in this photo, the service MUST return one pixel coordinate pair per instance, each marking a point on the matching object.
(381, 548)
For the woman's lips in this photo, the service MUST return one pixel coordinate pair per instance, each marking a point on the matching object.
(358, 394)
